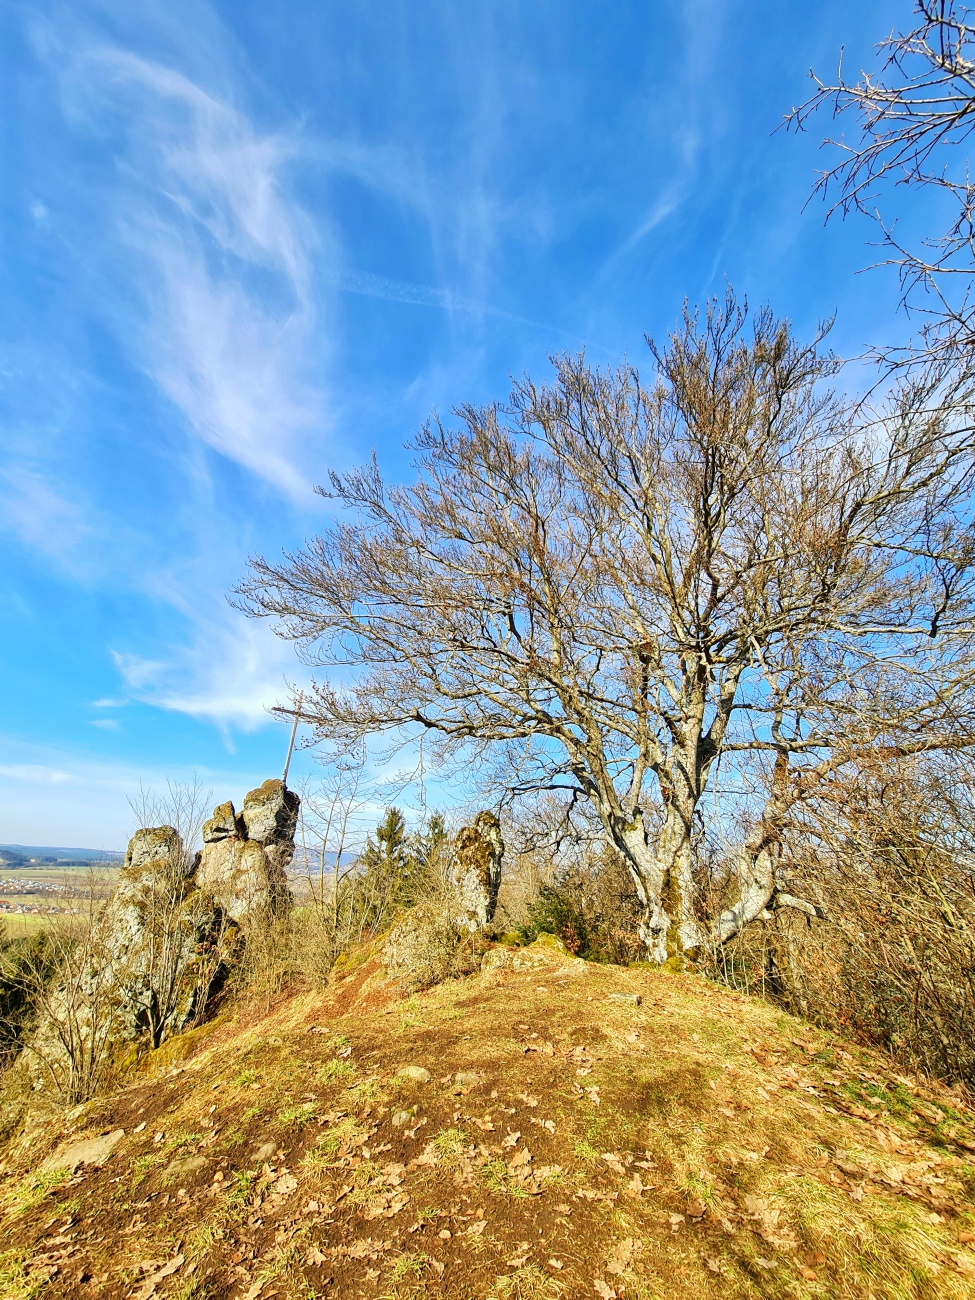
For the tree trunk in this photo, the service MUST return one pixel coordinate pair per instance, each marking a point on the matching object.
(663, 873)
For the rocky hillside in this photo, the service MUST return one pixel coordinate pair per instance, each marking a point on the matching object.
(545, 1128)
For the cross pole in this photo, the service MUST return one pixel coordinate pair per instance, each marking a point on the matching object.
(294, 730)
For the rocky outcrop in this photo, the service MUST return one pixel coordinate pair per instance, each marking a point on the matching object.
(155, 955)
(478, 853)
(426, 946)
(155, 938)
(270, 815)
(244, 861)
(444, 936)
(223, 825)
(547, 952)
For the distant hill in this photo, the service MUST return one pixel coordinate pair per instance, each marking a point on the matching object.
(38, 855)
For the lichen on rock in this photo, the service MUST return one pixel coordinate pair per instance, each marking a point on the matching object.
(224, 824)
(478, 853)
(154, 956)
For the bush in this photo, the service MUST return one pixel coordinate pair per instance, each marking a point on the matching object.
(888, 856)
(22, 961)
(592, 907)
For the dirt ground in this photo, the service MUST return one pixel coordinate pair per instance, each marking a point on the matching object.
(562, 1130)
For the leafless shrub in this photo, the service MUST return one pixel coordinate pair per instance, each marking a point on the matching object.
(75, 1001)
(888, 851)
(562, 878)
(266, 955)
(184, 805)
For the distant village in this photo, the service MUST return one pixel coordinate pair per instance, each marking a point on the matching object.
(35, 890)
(38, 891)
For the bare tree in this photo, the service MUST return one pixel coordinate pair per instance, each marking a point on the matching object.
(332, 824)
(71, 987)
(618, 585)
(914, 117)
(184, 805)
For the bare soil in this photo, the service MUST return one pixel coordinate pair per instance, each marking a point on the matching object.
(569, 1141)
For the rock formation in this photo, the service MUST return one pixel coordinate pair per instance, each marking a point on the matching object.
(243, 865)
(476, 871)
(153, 958)
(442, 936)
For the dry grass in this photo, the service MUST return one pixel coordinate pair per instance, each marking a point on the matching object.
(568, 1143)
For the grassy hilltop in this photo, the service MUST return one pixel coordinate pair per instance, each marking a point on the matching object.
(563, 1129)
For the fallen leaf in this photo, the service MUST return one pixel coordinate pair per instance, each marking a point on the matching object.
(606, 1292)
(150, 1283)
(622, 1254)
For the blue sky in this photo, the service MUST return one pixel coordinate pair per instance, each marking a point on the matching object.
(243, 243)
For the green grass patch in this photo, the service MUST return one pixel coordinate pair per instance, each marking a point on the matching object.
(497, 1179)
(450, 1145)
(295, 1117)
(33, 1189)
(16, 1282)
(585, 1150)
(335, 1071)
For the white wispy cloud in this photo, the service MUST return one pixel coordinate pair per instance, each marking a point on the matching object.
(681, 121)
(36, 774)
(439, 298)
(213, 294)
(41, 512)
(229, 671)
(61, 796)
(214, 278)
